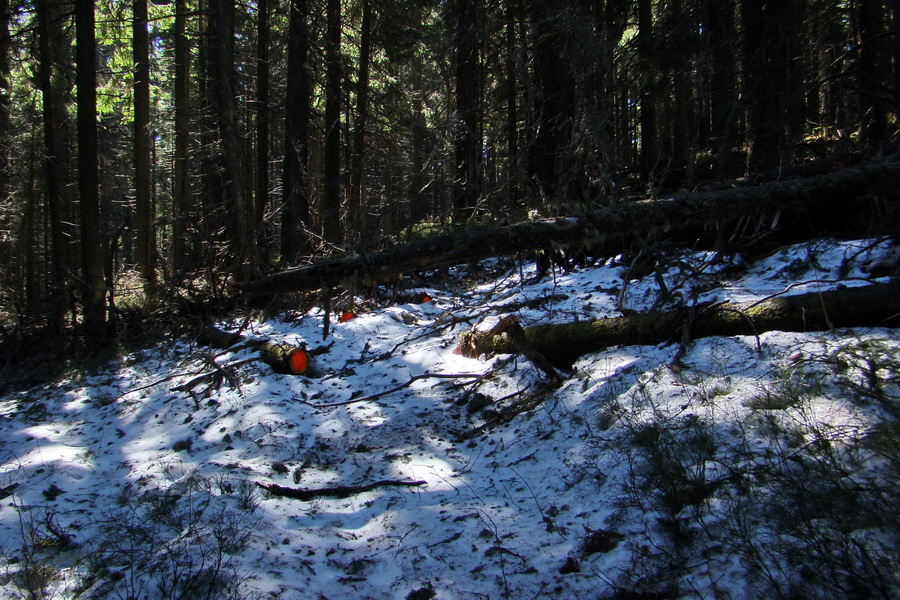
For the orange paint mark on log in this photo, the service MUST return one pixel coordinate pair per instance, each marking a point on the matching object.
(299, 361)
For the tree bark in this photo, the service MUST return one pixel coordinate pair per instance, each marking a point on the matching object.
(53, 184)
(357, 160)
(295, 210)
(331, 198)
(872, 108)
(720, 32)
(608, 227)
(512, 58)
(650, 151)
(182, 138)
(262, 115)
(93, 289)
(145, 239)
(6, 129)
(340, 491)
(224, 102)
(765, 79)
(869, 306)
(468, 137)
(551, 163)
(282, 357)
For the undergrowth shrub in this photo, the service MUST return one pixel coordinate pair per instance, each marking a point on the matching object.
(174, 543)
(799, 486)
(668, 466)
(28, 571)
(819, 519)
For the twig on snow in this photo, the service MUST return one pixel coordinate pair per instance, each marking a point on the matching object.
(411, 380)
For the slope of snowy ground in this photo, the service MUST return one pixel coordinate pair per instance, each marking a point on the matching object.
(701, 477)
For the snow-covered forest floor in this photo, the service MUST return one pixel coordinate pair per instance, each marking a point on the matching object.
(743, 467)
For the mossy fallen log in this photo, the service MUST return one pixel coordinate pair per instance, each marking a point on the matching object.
(875, 305)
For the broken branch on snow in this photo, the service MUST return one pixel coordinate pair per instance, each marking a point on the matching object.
(342, 491)
(386, 392)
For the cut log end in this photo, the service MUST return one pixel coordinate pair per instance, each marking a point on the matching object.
(298, 361)
(286, 358)
(876, 305)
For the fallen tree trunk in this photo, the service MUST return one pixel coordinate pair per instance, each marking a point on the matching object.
(282, 357)
(807, 198)
(869, 306)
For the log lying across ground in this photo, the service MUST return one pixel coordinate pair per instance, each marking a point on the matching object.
(282, 357)
(804, 198)
(875, 305)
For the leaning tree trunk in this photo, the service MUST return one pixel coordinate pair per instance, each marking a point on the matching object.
(780, 202)
(870, 306)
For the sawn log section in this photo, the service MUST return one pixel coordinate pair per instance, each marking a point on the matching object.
(875, 305)
(810, 198)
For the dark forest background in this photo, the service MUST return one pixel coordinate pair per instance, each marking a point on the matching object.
(158, 150)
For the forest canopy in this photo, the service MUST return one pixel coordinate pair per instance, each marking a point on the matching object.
(151, 148)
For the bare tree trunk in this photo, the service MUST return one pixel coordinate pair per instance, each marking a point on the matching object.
(241, 244)
(513, 51)
(357, 156)
(262, 116)
(872, 127)
(682, 131)
(5, 124)
(765, 80)
(182, 140)
(331, 199)
(93, 290)
(650, 149)
(723, 96)
(145, 239)
(551, 157)
(895, 56)
(467, 142)
(295, 211)
(53, 186)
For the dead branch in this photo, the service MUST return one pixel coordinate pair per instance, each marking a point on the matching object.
(387, 392)
(341, 491)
